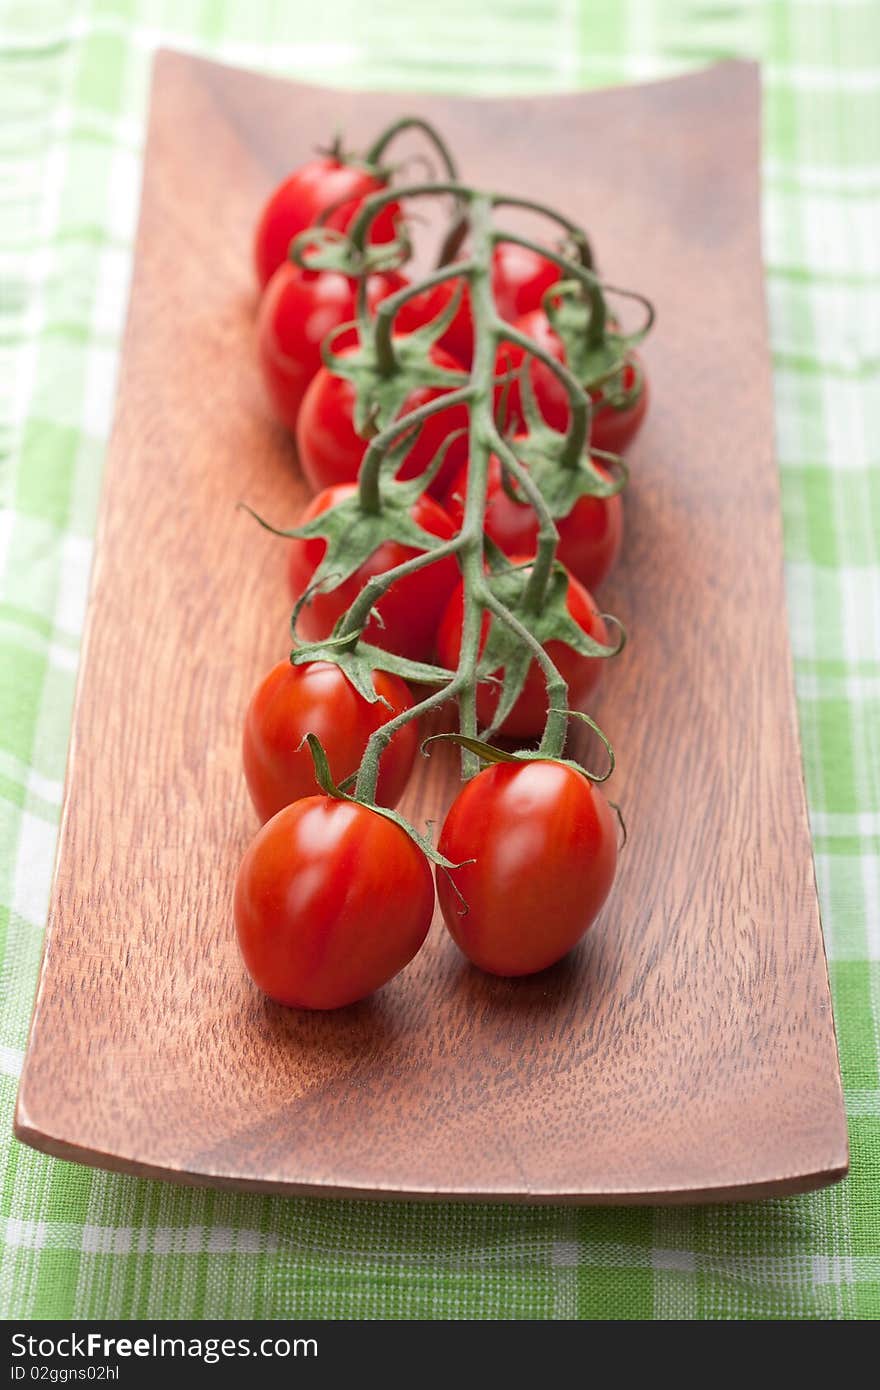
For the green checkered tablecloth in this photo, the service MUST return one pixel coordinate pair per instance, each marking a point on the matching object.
(73, 90)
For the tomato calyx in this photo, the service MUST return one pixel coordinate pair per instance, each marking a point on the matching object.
(353, 533)
(322, 248)
(544, 451)
(488, 753)
(324, 778)
(547, 621)
(596, 351)
(561, 485)
(358, 660)
(337, 150)
(385, 374)
(371, 162)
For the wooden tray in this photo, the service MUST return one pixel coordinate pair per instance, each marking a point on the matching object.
(686, 1051)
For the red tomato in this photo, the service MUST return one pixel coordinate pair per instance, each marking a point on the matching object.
(410, 610)
(297, 312)
(298, 202)
(332, 899)
(543, 846)
(317, 698)
(330, 450)
(589, 537)
(612, 429)
(581, 673)
(520, 279)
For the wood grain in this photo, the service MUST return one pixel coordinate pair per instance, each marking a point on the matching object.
(686, 1051)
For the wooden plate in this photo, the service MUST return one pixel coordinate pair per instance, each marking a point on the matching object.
(686, 1051)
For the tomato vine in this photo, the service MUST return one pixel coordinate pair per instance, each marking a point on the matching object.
(421, 367)
(524, 606)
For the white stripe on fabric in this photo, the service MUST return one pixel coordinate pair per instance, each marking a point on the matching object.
(123, 1240)
(33, 870)
(846, 825)
(823, 178)
(11, 1061)
(863, 1104)
(46, 788)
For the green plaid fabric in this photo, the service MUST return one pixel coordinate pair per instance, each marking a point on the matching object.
(74, 80)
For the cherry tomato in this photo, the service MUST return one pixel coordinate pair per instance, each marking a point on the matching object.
(412, 607)
(298, 202)
(581, 673)
(520, 279)
(590, 535)
(612, 428)
(332, 899)
(297, 311)
(543, 846)
(317, 698)
(330, 450)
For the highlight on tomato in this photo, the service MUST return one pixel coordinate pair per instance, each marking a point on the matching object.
(298, 310)
(614, 425)
(330, 450)
(408, 613)
(318, 698)
(332, 900)
(581, 673)
(535, 843)
(590, 536)
(329, 181)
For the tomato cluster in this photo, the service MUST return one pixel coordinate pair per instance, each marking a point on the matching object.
(335, 894)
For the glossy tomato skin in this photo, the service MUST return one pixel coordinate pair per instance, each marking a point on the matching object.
(330, 449)
(520, 279)
(610, 429)
(332, 899)
(317, 698)
(299, 200)
(544, 848)
(299, 308)
(581, 673)
(590, 536)
(412, 607)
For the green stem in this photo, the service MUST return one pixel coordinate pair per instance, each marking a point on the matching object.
(585, 275)
(371, 464)
(482, 425)
(362, 309)
(358, 614)
(378, 147)
(372, 206)
(504, 200)
(548, 533)
(368, 773)
(452, 242)
(646, 303)
(553, 739)
(388, 309)
(469, 542)
(578, 401)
